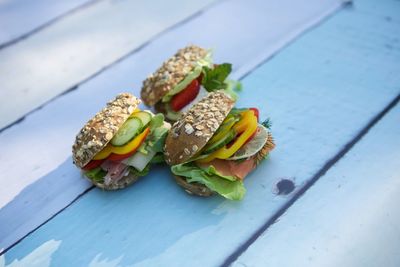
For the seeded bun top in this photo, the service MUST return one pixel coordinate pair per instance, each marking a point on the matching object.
(190, 134)
(172, 71)
(98, 131)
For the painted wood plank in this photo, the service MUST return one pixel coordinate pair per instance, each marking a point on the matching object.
(19, 18)
(350, 217)
(77, 47)
(318, 95)
(39, 192)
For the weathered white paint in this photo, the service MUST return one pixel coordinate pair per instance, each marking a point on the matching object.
(20, 17)
(318, 96)
(50, 131)
(350, 217)
(67, 52)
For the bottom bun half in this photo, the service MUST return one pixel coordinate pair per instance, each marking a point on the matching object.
(197, 189)
(124, 182)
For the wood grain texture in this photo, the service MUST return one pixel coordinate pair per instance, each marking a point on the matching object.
(77, 47)
(19, 18)
(52, 129)
(320, 91)
(350, 217)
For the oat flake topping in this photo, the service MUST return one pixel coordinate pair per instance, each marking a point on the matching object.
(171, 73)
(196, 127)
(98, 131)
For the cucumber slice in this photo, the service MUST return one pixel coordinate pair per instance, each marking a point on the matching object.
(144, 116)
(230, 135)
(131, 128)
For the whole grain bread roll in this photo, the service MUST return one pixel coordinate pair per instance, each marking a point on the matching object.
(171, 72)
(197, 189)
(99, 130)
(190, 134)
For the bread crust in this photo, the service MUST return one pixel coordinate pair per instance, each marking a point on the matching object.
(122, 183)
(199, 189)
(172, 71)
(99, 130)
(191, 133)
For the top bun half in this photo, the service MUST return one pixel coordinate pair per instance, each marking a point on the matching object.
(172, 71)
(191, 133)
(99, 130)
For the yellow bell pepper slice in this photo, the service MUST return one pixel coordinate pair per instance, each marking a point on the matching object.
(241, 125)
(246, 126)
(120, 150)
(227, 126)
(135, 111)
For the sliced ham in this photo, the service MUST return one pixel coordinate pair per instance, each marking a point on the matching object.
(230, 167)
(115, 171)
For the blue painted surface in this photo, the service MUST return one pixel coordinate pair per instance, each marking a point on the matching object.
(350, 217)
(49, 173)
(80, 46)
(20, 17)
(319, 92)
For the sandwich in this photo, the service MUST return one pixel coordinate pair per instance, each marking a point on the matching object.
(214, 146)
(184, 79)
(118, 145)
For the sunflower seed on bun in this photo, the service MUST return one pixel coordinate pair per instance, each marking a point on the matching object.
(190, 134)
(99, 130)
(171, 73)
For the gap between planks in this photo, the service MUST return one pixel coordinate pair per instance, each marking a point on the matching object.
(138, 49)
(328, 165)
(73, 88)
(116, 61)
(243, 75)
(46, 24)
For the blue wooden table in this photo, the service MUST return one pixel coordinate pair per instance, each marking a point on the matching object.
(325, 72)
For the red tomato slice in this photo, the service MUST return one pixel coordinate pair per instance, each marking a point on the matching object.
(116, 157)
(186, 96)
(256, 112)
(92, 164)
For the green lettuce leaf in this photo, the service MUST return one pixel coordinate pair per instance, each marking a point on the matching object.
(232, 87)
(144, 172)
(96, 174)
(158, 158)
(229, 188)
(156, 121)
(214, 78)
(156, 139)
(210, 170)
